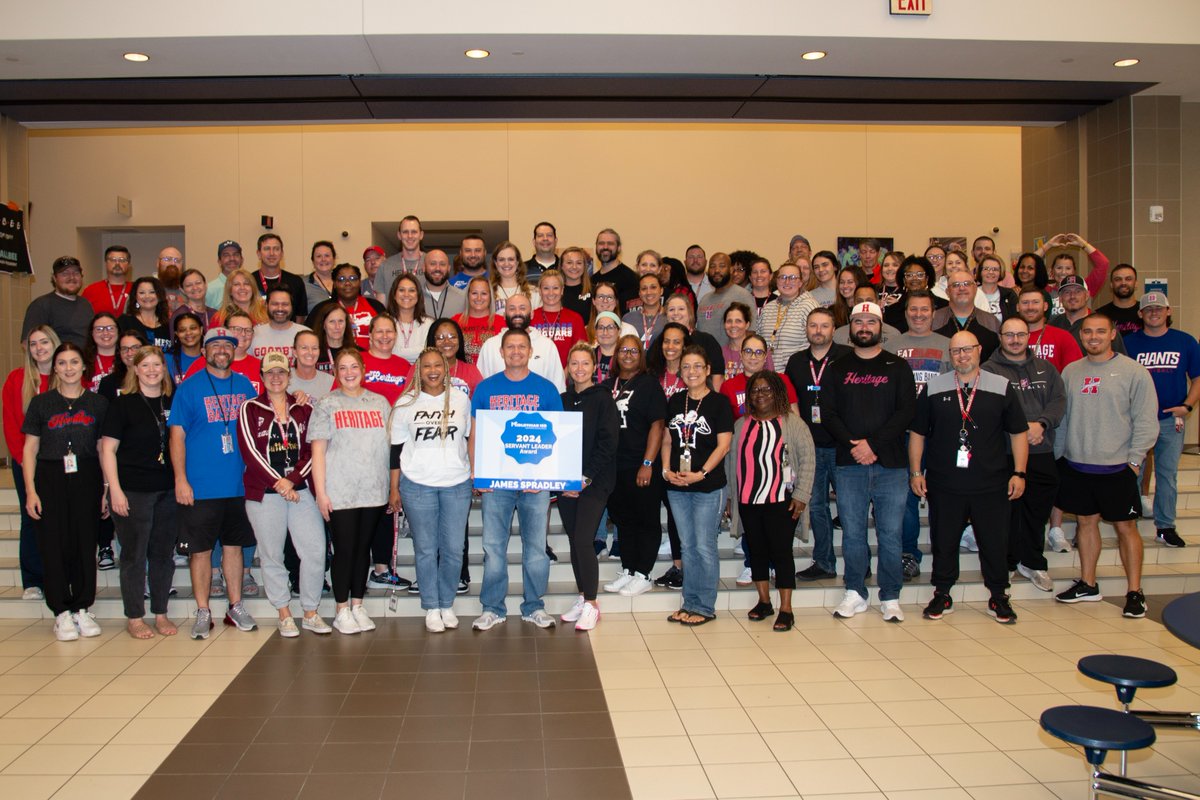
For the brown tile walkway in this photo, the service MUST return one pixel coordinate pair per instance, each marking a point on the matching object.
(515, 712)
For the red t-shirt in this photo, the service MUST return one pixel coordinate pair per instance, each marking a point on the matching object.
(734, 390)
(563, 327)
(249, 366)
(1055, 345)
(465, 377)
(110, 298)
(102, 367)
(358, 322)
(476, 331)
(386, 376)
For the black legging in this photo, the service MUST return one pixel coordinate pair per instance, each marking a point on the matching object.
(351, 530)
(637, 511)
(580, 517)
(769, 528)
(672, 531)
(67, 532)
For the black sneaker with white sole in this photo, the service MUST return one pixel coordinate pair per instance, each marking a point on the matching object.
(1001, 609)
(1170, 538)
(941, 605)
(1135, 605)
(909, 566)
(814, 572)
(671, 579)
(105, 558)
(1080, 592)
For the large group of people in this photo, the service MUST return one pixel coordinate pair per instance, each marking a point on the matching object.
(304, 419)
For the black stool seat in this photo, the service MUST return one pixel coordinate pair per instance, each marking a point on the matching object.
(1127, 674)
(1097, 730)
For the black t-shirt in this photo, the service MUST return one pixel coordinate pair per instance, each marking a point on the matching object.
(110, 386)
(626, 281)
(140, 424)
(293, 283)
(640, 403)
(697, 424)
(995, 413)
(574, 299)
(159, 336)
(800, 370)
(1127, 319)
(716, 356)
(63, 423)
(872, 399)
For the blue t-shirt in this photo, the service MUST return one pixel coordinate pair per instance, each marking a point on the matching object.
(1172, 359)
(498, 393)
(205, 416)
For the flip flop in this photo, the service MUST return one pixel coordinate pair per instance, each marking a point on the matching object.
(784, 621)
(703, 620)
(676, 616)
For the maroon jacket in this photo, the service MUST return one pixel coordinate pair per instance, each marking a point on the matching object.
(255, 421)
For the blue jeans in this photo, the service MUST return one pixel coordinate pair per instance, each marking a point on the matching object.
(533, 510)
(912, 523)
(819, 517)
(698, 517)
(1167, 451)
(30, 555)
(859, 487)
(438, 517)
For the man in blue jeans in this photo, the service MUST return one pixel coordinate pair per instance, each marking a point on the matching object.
(516, 389)
(868, 398)
(1173, 360)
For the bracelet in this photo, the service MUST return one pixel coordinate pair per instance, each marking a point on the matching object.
(914, 475)
(1018, 474)
(704, 472)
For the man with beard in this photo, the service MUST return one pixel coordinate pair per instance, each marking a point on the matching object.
(170, 270)
(441, 299)
(867, 400)
(611, 270)
(710, 309)
(229, 258)
(695, 263)
(963, 315)
(543, 354)
(471, 260)
(545, 255)
(799, 248)
(62, 309)
(867, 294)
(410, 259)
(1073, 294)
(270, 274)
(372, 259)
(1049, 342)
(805, 369)
(278, 335)
(111, 295)
(208, 477)
(1123, 310)
(360, 310)
(1044, 399)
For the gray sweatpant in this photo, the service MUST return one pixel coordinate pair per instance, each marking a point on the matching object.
(273, 519)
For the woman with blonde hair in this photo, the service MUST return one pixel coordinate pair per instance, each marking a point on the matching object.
(241, 294)
(577, 283)
(509, 277)
(480, 321)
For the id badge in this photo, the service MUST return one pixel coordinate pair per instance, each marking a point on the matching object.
(70, 463)
(788, 479)
(226, 443)
(816, 415)
(964, 458)
(685, 460)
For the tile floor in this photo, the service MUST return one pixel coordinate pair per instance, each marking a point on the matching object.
(848, 709)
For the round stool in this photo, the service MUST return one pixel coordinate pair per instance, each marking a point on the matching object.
(1097, 730)
(1127, 674)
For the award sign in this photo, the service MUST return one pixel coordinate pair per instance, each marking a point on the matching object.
(519, 450)
(14, 248)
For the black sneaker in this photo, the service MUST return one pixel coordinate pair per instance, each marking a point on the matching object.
(671, 579)
(1000, 608)
(1080, 592)
(550, 554)
(464, 586)
(105, 558)
(294, 587)
(412, 588)
(1170, 538)
(326, 589)
(614, 552)
(837, 522)
(1135, 605)
(814, 572)
(941, 605)
(910, 567)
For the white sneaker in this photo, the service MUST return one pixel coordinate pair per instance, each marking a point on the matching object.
(738, 550)
(1038, 577)
(1147, 506)
(639, 585)
(1056, 540)
(86, 622)
(621, 581)
(433, 621)
(744, 579)
(316, 624)
(968, 539)
(486, 621)
(574, 611)
(891, 611)
(365, 623)
(449, 620)
(344, 622)
(539, 618)
(288, 629)
(33, 593)
(852, 603)
(588, 618)
(64, 627)
(664, 549)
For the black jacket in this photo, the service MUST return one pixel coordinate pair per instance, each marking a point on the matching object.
(600, 429)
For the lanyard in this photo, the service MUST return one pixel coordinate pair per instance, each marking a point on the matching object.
(118, 302)
(816, 376)
(224, 416)
(781, 314)
(965, 409)
(158, 421)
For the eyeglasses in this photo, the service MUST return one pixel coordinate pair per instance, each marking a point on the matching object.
(963, 351)
(786, 278)
(693, 367)
(757, 352)
(347, 279)
(104, 328)
(118, 259)
(962, 284)
(606, 328)
(1015, 335)
(170, 260)
(606, 298)
(131, 348)
(761, 390)
(628, 351)
(240, 331)
(446, 337)
(936, 258)
(917, 274)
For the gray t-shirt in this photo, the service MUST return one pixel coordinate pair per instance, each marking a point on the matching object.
(269, 340)
(357, 469)
(927, 355)
(315, 387)
(710, 311)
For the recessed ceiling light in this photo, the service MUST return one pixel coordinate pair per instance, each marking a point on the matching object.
(814, 55)
(138, 57)
(476, 53)
(1126, 62)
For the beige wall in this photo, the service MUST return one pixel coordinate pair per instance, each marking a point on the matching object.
(660, 185)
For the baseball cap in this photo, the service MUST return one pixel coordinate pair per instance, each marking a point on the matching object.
(799, 237)
(228, 243)
(866, 310)
(275, 360)
(1154, 299)
(1072, 282)
(373, 249)
(64, 263)
(218, 335)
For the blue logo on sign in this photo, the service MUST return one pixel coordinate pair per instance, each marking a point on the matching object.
(528, 438)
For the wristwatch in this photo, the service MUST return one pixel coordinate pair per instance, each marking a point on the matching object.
(1188, 407)
(647, 462)
(1017, 474)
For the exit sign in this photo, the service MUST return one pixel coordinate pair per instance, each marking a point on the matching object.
(919, 7)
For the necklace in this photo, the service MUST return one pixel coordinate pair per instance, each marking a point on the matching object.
(159, 422)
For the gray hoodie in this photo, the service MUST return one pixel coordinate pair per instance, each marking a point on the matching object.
(1040, 388)
(1112, 412)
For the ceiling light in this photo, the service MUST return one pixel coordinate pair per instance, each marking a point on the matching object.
(814, 55)
(476, 53)
(1126, 62)
(138, 57)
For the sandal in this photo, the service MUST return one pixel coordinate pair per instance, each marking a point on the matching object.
(695, 620)
(784, 621)
(761, 612)
(677, 616)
